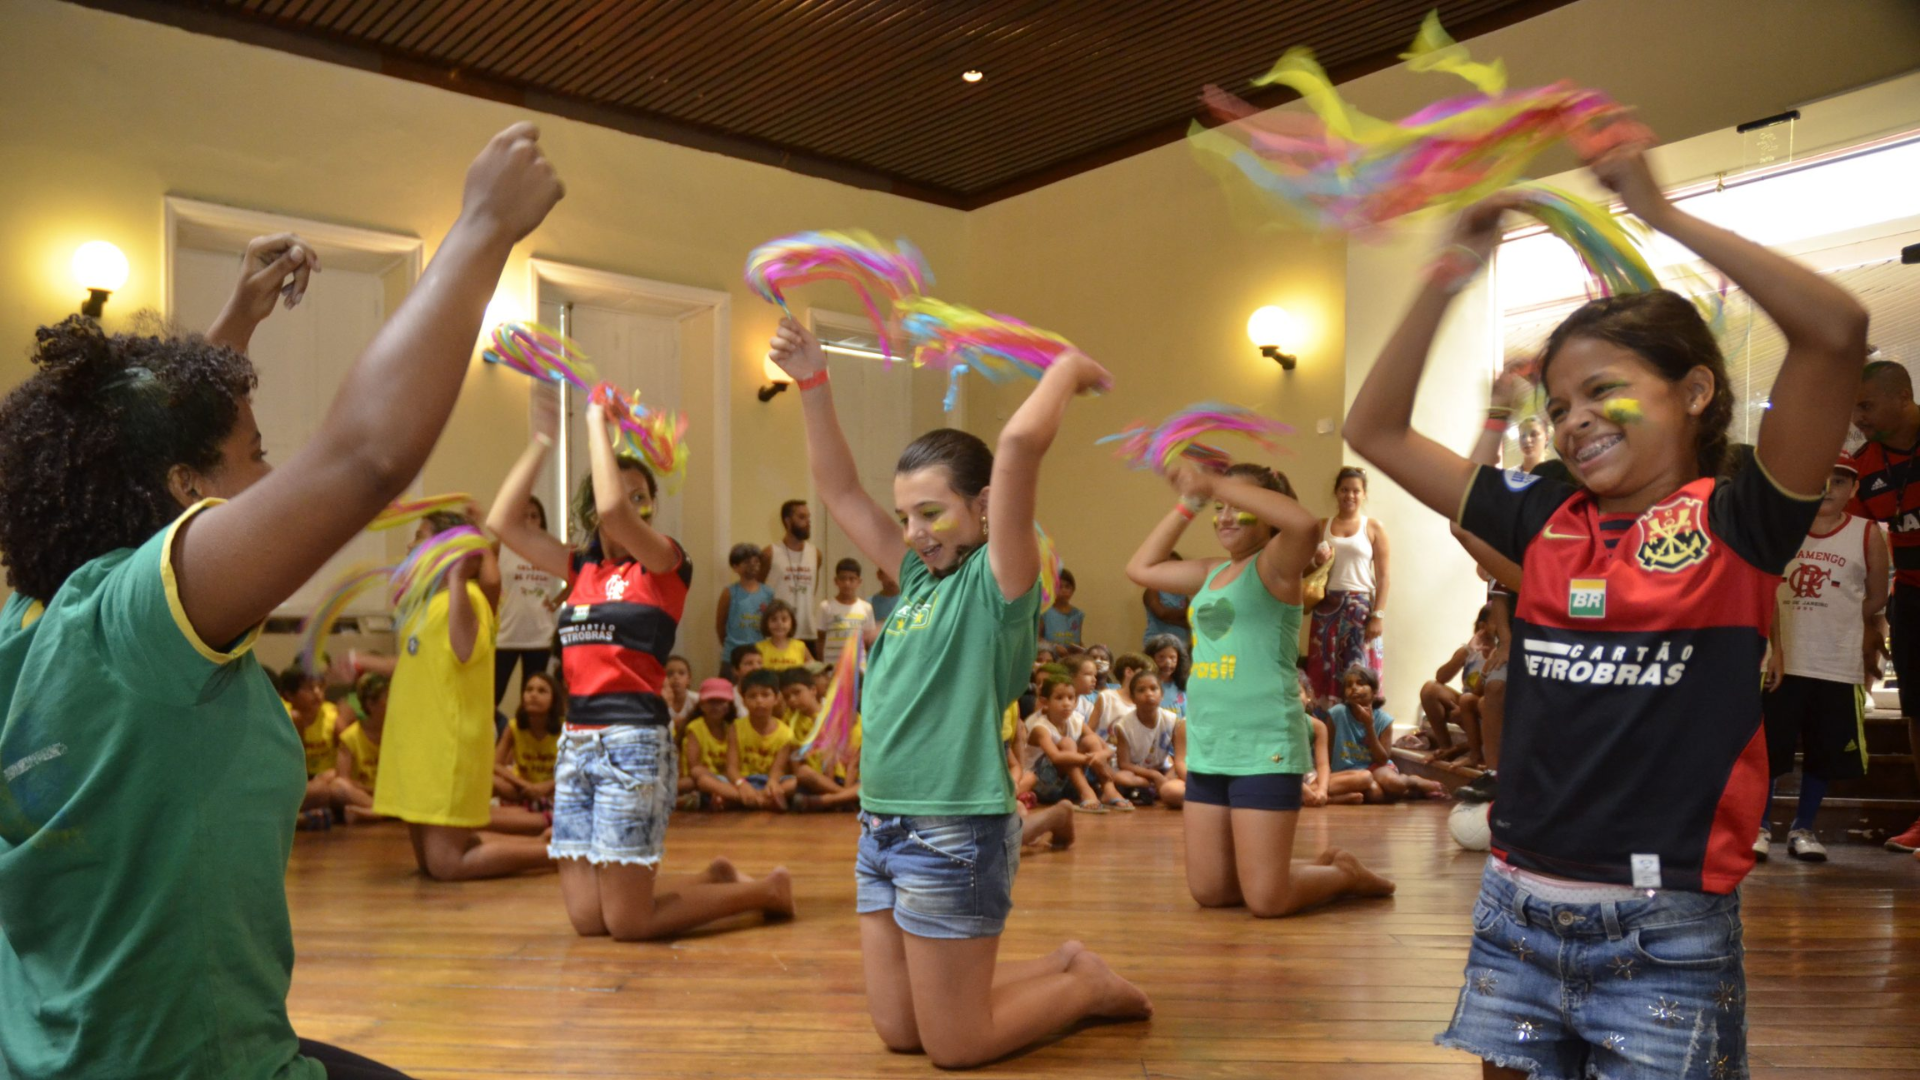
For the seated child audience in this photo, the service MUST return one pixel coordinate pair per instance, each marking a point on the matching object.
(1054, 765)
(1117, 698)
(845, 614)
(763, 756)
(318, 722)
(1314, 790)
(1441, 704)
(1089, 728)
(1103, 660)
(357, 762)
(1143, 741)
(1173, 793)
(821, 787)
(677, 689)
(1172, 660)
(779, 649)
(1359, 760)
(737, 618)
(1062, 623)
(1052, 823)
(523, 759)
(710, 751)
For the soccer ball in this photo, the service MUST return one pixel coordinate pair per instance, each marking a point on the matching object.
(1467, 822)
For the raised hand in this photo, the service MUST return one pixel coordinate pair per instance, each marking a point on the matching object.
(1079, 368)
(1478, 228)
(1511, 385)
(511, 186)
(1623, 170)
(796, 350)
(274, 268)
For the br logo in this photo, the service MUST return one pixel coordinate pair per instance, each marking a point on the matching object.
(1674, 536)
(1808, 581)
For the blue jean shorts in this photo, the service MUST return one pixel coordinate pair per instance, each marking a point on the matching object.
(613, 790)
(1618, 990)
(943, 877)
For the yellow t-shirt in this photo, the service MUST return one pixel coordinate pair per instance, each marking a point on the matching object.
(757, 751)
(319, 738)
(1009, 721)
(712, 749)
(437, 753)
(802, 726)
(533, 757)
(793, 656)
(366, 755)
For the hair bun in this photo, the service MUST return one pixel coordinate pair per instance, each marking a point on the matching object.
(77, 357)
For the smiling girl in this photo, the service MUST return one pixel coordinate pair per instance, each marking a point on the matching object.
(939, 838)
(1633, 768)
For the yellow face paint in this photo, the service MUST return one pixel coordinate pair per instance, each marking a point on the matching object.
(1238, 518)
(945, 524)
(1622, 411)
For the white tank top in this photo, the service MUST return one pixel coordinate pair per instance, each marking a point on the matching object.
(1032, 754)
(1352, 560)
(794, 578)
(1820, 599)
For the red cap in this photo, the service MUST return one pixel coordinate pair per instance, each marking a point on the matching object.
(1846, 465)
(716, 690)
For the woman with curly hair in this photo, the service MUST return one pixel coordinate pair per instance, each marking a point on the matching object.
(146, 921)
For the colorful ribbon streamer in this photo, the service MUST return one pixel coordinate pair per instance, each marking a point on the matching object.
(855, 257)
(1050, 567)
(1603, 242)
(419, 575)
(960, 339)
(407, 511)
(1156, 449)
(319, 626)
(840, 708)
(531, 349)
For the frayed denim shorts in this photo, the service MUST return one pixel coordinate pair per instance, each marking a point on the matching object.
(613, 791)
(1626, 989)
(942, 877)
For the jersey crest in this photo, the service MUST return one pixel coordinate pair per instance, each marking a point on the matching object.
(1674, 536)
(1808, 581)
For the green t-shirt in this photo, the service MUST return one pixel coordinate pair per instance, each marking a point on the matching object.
(148, 789)
(955, 653)
(1244, 715)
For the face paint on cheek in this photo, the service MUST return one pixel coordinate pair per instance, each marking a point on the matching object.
(1622, 411)
(944, 525)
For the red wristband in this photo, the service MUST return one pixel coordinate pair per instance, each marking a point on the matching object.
(818, 378)
(1185, 510)
(1496, 424)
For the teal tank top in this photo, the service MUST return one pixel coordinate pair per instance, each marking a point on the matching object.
(1243, 695)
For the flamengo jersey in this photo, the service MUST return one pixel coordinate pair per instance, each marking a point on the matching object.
(1820, 601)
(1888, 493)
(1633, 752)
(616, 632)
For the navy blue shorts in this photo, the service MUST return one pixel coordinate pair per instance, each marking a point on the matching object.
(1261, 791)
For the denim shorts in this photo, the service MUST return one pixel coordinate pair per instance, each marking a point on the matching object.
(943, 877)
(613, 790)
(1618, 990)
(1049, 786)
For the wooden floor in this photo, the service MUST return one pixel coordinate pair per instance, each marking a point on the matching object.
(487, 979)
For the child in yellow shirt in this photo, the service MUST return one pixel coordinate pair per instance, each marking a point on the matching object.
(763, 765)
(779, 648)
(357, 762)
(523, 758)
(318, 722)
(710, 751)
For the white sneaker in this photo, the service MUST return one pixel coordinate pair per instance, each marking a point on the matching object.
(1802, 845)
(1762, 845)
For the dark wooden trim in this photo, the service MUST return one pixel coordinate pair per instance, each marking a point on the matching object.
(261, 28)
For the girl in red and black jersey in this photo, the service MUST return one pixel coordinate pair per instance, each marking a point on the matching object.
(1634, 769)
(616, 776)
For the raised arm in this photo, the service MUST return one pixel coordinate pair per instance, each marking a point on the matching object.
(273, 267)
(870, 526)
(619, 518)
(463, 620)
(1379, 427)
(1154, 567)
(1824, 326)
(1011, 544)
(236, 562)
(1296, 532)
(507, 519)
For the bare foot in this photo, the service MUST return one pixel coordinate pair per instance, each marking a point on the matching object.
(1326, 857)
(1115, 998)
(1365, 881)
(781, 883)
(721, 871)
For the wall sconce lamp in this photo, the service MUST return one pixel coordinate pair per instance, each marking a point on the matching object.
(777, 379)
(1275, 332)
(100, 269)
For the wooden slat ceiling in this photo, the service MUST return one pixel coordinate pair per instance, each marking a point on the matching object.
(863, 91)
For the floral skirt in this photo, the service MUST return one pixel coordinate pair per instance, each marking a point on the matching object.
(1339, 641)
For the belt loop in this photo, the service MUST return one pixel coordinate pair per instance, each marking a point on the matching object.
(1610, 914)
(1519, 903)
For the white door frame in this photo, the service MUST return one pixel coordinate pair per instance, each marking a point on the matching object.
(216, 226)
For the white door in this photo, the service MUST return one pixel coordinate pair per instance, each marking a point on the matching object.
(875, 407)
(633, 350)
(301, 355)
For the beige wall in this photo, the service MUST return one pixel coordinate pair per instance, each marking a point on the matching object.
(106, 115)
(1139, 262)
